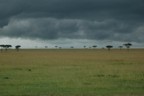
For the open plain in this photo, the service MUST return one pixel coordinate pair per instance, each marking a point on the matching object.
(72, 72)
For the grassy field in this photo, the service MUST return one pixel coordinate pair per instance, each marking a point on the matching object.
(73, 72)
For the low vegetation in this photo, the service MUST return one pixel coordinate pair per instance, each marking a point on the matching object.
(73, 72)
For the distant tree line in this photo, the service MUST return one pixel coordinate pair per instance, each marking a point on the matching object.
(109, 47)
(7, 46)
(127, 45)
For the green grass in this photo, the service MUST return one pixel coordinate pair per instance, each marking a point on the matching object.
(72, 73)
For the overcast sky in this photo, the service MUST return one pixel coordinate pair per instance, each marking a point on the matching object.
(71, 22)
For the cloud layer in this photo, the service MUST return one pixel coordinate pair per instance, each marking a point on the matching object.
(118, 20)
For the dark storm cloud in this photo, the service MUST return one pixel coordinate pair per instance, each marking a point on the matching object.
(72, 8)
(76, 19)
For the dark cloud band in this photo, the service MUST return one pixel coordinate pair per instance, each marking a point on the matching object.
(51, 28)
(74, 19)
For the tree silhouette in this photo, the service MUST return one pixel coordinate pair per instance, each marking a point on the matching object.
(56, 47)
(84, 46)
(7, 46)
(128, 45)
(17, 47)
(72, 47)
(109, 47)
(94, 46)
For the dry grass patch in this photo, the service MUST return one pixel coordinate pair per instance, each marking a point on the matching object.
(72, 73)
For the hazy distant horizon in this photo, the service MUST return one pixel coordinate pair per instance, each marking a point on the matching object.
(64, 43)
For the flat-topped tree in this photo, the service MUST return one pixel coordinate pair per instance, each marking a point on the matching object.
(56, 47)
(7, 46)
(94, 46)
(109, 47)
(127, 45)
(17, 47)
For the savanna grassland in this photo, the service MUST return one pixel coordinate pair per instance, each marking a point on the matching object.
(73, 72)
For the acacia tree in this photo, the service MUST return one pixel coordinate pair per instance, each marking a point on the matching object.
(84, 46)
(94, 46)
(56, 47)
(128, 45)
(7, 46)
(17, 47)
(109, 47)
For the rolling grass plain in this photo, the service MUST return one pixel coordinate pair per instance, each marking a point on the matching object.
(72, 72)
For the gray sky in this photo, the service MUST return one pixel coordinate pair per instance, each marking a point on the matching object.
(71, 22)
